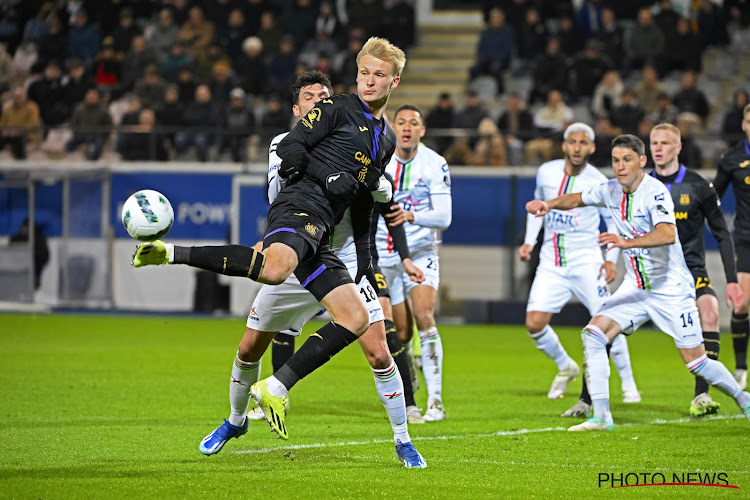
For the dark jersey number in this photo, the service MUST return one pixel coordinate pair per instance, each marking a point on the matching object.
(686, 320)
(368, 293)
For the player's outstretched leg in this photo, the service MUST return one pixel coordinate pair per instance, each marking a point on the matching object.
(409, 456)
(282, 348)
(740, 332)
(702, 404)
(620, 356)
(719, 376)
(597, 378)
(155, 253)
(432, 369)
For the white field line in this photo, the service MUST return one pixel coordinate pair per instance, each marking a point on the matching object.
(514, 432)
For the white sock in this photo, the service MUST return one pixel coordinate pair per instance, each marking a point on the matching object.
(548, 342)
(432, 363)
(597, 369)
(390, 390)
(244, 375)
(170, 252)
(621, 358)
(718, 376)
(276, 388)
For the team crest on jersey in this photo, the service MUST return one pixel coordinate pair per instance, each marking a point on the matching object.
(685, 199)
(661, 210)
(311, 229)
(312, 116)
(362, 174)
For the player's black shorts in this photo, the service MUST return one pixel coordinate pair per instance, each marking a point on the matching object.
(703, 284)
(742, 250)
(382, 290)
(319, 270)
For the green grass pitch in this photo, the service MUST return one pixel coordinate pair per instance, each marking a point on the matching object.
(115, 406)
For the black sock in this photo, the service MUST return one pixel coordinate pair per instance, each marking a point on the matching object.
(740, 333)
(314, 353)
(399, 356)
(281, 350)
(585, 396)
(232, 260)
(711, 342)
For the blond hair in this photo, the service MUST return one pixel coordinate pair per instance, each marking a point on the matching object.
(382, 49)
(669, 127)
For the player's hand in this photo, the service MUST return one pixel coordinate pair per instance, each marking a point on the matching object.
(610, 269)
(342, 185)
(612, 240)
(537, 208)
(734, 296)
(398, 216)
(415, 273)
(294, 164)
(383, 192)
(366, 272)
(524, 252)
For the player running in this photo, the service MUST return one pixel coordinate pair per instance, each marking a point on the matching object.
(570, 263)
(658, 286)
(422, 202)
(695, 203)
(733, 169)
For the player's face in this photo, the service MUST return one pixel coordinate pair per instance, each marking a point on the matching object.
(628, 166)
(308, 96)
(409, 129)
(664, 147)
(375, 80)
(578, 148)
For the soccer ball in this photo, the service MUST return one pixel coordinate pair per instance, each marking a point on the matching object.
(147, 215)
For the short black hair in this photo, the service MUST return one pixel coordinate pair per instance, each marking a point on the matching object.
(409, 107)
(310, 77)
(631, 142)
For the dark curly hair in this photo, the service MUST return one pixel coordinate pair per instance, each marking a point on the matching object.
(310, 77)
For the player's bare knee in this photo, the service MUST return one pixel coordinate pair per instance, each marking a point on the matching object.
(379, 359)
(425, 319)
(710, 320)
(275, 274)
(533, 325)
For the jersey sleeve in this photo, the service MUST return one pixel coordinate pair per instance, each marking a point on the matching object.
(595, 196)
(723, 178)
(709, 205)
(661, 207)
(275, 182)
(440, 212)
(534, 224)
(312, 128)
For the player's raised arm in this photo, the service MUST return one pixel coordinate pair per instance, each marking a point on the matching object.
(564, 202)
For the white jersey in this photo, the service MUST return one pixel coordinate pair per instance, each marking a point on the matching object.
(570, 236)
(659, 269)
(342, 239)
(418, 184)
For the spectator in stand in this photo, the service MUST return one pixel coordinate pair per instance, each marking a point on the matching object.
(441, 117)
(515, 11)
(239, 122)
(691, 98)
(162, 35)
(570, 36)
(75, 84)
(36, 27)
(253, 10)
(221, 83)
(201, 119)
(180, 11)
(251, 68)
(490, 147)
(531, 39)
(607, 95)
(48, 92)
(494, 50)
(83, 39)
(127, 30)
(664, 112)
(91, 125)
(367, 15)
(129, 119)
(12, 21)
(213, 55)
(731, 127)
(690, 154)
(469, 117)
(710, 25)
(270, 32)
(683, 48)
(196, 33)
(402, 24)
(611, 36)
(24, 60)
(645, 42)
(550, 72)
(108, 66)
(106, 15)
(644, 129)
(276, 119)
(137, 58)
(150, 88)
(142, 144)
(648, 88)
(345, 62)
(550, 121)
(327, 22)
(517, 127)
(231, 35)
(666, 18)
(18, 123)
(589, 17)
(604, 133)
(169, 114)
(297, 18)
(6, 69)
(315, 48)
(177, 60)
(218, 11)
(281, 67)
(186, 84)
(53, 44)
(587, 70)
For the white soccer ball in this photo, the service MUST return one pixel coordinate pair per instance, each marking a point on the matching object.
(147, 215)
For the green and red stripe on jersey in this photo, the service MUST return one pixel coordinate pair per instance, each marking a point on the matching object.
(403, 171)
(639, 267)
(558, 240)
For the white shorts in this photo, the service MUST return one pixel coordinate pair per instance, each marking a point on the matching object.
(675, 315)
(399, 283)
(553, 287)
(287, 307)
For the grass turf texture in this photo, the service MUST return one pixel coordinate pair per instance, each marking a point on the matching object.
(114, 407)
